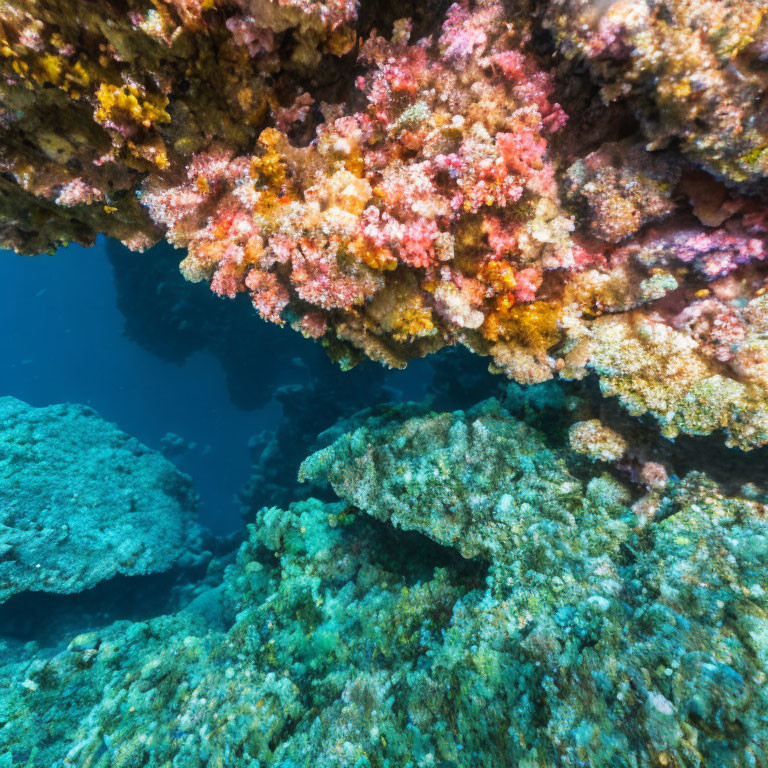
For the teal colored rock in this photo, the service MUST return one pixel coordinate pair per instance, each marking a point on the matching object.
(81, 501)
(474, 481)
(577, 636)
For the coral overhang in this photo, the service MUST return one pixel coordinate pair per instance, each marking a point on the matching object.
(391, 196)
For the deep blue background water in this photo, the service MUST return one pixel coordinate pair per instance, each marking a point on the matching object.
(62, 341)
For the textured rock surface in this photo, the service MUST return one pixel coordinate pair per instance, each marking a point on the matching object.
(466, 480)
(96, 98)
(596, 637)
(654, 368)
(694, 71)
(81, 501)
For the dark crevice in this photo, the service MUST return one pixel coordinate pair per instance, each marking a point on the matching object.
(731, 468)
(415, 556)
(51, 619)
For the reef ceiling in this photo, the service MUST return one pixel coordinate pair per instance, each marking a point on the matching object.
(568, 187)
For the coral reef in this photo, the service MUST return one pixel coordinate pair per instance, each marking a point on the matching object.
(463, 479)
(390, 196)
(655, 368)
(97, 98)
(582, 632)
(694, 72)
(83, 502)
(597, 441)
(308, 410)
(573, 189)
(357, 237)
(315, 413)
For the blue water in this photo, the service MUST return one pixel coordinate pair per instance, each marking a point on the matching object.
(63, 340)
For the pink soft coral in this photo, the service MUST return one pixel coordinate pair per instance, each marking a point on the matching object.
(365, 225)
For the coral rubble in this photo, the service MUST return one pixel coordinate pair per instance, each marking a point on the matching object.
(82, 502)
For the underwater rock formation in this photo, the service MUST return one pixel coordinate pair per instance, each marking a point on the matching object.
(581, 634)
(308, 410)
(82, 502)
(694, 72)
(393, 196)
(463, 479)
(96, 98)
(169, 318)
(314, 414)
(570, 188)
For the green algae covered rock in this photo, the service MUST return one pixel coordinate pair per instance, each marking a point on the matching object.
(475, 481)
(325, 626)
(579, 635)
(81, 501)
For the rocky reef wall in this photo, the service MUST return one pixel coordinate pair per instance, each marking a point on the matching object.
(565, 187)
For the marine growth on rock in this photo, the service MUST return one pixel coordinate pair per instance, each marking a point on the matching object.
(391, 192)
(81, 501)
(577, 633)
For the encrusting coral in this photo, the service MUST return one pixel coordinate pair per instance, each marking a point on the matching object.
(461, 479)
(95, 98)
(82, 502)
(693, 71)
(582, 632)
(445, 198)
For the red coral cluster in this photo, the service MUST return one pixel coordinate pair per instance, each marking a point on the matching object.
(444, 197)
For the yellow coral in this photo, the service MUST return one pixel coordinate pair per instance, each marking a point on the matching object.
(534, 325)
(499, 275)
(412, 323)
(51, 67)
(376, 258)
(269, 168)
(116, 101)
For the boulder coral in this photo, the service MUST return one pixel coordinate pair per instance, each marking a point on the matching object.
(83, 502)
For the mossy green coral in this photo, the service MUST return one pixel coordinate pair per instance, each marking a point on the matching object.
(589, 637)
